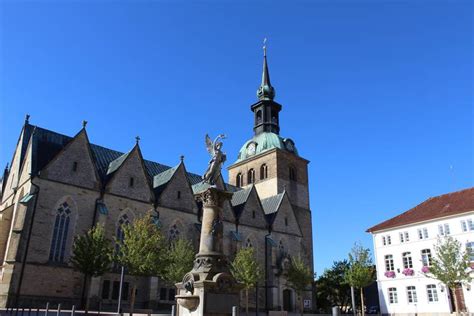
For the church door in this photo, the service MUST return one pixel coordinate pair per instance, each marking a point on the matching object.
(287, 300)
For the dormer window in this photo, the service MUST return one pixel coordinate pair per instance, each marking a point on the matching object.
(286, 221)
(253, 214)
(178, 195)
(74, 166)
(131, 182)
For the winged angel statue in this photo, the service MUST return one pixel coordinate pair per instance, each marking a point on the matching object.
(217, 159)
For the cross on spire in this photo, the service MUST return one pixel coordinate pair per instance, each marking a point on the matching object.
(137, 139)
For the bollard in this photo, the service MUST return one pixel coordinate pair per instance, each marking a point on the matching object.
(173, 310)
(37, 311)
(335, 311)
(29, 311)
(235, 311)
(73, 310)
(47, 309)
(16, 311)
(22, 311)
(59, 310)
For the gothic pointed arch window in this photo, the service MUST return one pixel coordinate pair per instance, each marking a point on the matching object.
(123, 220)
(263, 172)
(173, 233)
(238, 180)
(251, 176)
(248, 243)
(62, 223)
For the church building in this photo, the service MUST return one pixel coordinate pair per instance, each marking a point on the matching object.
(58, 187)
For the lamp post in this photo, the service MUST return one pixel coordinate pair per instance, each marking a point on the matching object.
(119, 304)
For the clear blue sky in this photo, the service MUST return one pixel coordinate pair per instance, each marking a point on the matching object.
(376, 94)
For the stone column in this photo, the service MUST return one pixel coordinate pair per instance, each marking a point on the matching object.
(209, 288)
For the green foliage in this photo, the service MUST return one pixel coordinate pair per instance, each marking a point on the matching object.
(92, 252)
(179, 261)
(450, 263)
(141, 251)
(332, 288)
(246, 269)
(299, 275)
(361, 272)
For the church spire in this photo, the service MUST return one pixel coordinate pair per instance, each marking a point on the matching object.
(265, 91)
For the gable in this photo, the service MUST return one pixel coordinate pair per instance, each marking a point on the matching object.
(27, 165)
(177, 192)
(74, 164)
(285, 219)
(12, 180)
(252, 213)
(121, 182)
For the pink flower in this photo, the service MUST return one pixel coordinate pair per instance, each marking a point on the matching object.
(425, 269)
(390, 274)
(408, 272)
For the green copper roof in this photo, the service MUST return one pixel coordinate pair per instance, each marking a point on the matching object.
(263, 142)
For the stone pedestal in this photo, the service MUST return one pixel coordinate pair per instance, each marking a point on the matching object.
(209, 289)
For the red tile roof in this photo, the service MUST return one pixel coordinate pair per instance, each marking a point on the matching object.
(436, 207)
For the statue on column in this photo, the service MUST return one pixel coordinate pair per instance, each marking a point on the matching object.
(218, 158)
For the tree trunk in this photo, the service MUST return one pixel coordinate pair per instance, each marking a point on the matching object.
(247, 302)
(88, 282)
(301, 304)
(132, 298)
(362, 306)
(455, 298)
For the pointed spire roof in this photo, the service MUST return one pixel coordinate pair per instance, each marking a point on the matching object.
(265, 91)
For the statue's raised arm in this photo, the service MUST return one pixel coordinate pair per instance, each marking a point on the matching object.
(213, 171)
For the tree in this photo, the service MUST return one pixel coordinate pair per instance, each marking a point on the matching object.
(361, 272)
(141, 251)
(91, 255)
(247, 271)
(179, 261)
(450, 265)
(299, 276)
(332, 288)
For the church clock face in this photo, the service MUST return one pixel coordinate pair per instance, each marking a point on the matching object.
(290, 146)
(251, 149)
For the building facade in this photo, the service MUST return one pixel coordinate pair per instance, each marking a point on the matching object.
(58, 187)
(404, 246)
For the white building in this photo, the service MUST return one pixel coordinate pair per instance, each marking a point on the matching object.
(403, 246)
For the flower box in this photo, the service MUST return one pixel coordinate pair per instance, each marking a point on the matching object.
(425, 269)
(390, 274)
(408, 272)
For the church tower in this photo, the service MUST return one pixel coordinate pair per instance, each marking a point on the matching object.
(268, 160)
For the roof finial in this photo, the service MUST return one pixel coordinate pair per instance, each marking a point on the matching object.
(137, 139)
(27, 119)
(265, 91)
(181, 158)
(265, 47)
(84, 124)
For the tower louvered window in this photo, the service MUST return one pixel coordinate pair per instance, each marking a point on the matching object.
(238, 180)
(263, 172)
(251, 176)
(60, 233)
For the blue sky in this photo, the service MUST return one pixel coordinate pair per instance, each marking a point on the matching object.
(376, 94)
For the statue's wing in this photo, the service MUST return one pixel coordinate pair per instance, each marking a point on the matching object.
(209, 146)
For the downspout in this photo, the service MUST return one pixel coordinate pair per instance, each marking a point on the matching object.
(22, 271)
(266, 269)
